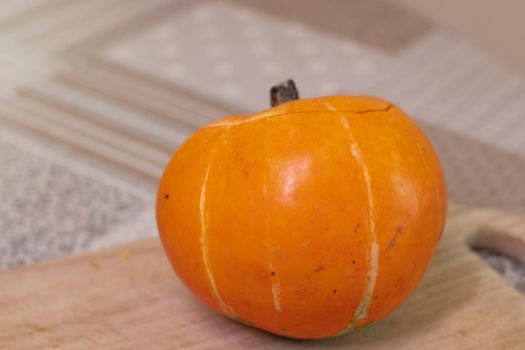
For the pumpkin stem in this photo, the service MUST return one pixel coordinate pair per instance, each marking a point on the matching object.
(283, 92)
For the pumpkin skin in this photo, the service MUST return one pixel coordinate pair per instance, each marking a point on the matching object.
(306, 220)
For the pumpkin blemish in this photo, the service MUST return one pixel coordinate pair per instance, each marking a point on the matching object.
(392, 243)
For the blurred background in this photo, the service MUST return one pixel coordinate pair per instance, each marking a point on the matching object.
(96, 95)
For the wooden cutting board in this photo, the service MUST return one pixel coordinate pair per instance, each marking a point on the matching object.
(129, 298)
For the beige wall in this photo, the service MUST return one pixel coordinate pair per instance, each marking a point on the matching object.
(496, 26)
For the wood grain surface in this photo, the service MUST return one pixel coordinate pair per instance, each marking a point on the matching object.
(129, 298)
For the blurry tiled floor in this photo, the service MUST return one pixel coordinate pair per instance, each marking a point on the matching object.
(95, 96)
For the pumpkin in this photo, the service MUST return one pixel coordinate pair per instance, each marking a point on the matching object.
(306, 220)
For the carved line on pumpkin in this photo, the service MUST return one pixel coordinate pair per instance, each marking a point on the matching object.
(266, 116)
(373, 253)
(204, 241)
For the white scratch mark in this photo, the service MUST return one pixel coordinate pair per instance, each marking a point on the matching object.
(362, 310)
(276, 290)
(204, 244)
(276, 283)
(331, 107)
(357, 154)
(345, 123)
(276, 280)
(243, 121)
(373, 254)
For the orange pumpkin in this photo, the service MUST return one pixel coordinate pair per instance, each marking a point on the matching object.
(306, 220)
